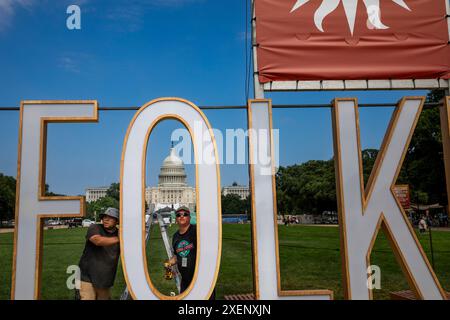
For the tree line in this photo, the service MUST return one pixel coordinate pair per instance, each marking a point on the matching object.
(8, 196)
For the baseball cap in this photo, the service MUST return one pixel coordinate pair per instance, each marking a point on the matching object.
(111, 212)
(183, 209)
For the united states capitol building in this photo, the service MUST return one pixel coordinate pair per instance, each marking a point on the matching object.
(172, 190)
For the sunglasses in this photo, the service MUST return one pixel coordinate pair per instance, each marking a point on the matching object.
(184, 214)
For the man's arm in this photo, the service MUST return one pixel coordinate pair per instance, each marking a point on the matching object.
(100, 241)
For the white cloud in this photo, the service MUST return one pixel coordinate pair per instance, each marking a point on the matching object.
(8, 9)
(69, 64)
(75, 62)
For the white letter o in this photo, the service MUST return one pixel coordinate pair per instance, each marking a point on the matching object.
(132, 201)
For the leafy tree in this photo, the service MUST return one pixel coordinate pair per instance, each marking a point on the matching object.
(423, 168)
(48, 193)
(95, 208)
(7, 197)
(114, 191)
(310, 187)
(248, 207)
(306, 188)
(233, 204)
(369, 156)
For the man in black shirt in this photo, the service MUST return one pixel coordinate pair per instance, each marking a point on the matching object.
(98, 264)
(184, 243)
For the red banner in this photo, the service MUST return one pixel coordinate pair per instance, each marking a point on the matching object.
(352, 39)
(402, 194)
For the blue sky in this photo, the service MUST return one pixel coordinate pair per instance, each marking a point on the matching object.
(130, 52)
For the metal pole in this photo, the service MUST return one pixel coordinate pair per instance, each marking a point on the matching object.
(257, 86)
(169, 251)
(431, 245)
(274, 106)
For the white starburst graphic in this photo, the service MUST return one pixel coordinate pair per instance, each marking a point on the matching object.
(350, 8)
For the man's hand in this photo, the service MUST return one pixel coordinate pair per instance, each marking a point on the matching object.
(100, 241)
(173, 261)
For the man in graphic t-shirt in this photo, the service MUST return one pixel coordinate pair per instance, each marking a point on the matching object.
(184, 243)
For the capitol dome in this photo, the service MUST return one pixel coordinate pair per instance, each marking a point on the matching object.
(172, 160)
(172, 171)
(172, 190)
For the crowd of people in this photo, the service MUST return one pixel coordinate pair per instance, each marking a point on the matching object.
(426, 220)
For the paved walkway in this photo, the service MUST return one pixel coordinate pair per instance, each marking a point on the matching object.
(440, 229)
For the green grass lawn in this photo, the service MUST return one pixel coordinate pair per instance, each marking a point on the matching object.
(309, 258)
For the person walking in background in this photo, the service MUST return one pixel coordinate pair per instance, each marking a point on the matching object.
(286, 221)
(422, 225)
